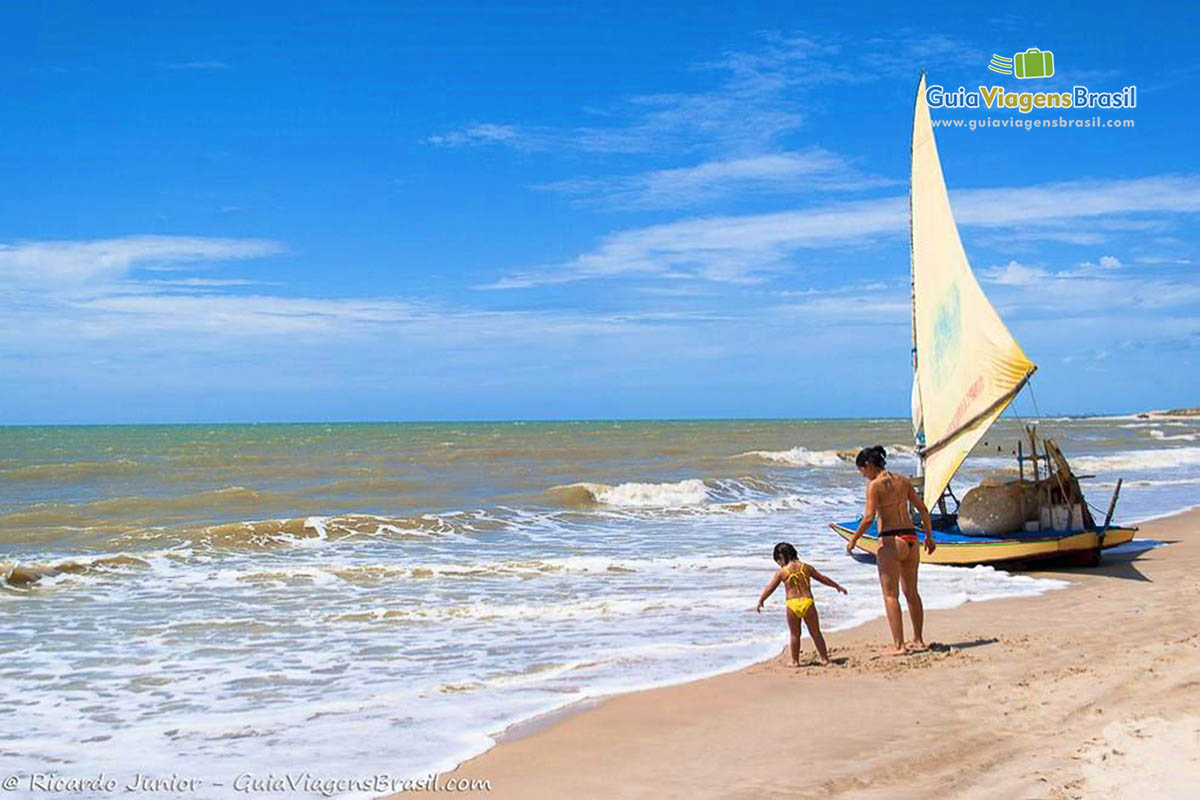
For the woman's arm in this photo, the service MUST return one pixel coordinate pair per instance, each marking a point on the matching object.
(926, 521)
(868, 518)
(827, 581)
(768, 591)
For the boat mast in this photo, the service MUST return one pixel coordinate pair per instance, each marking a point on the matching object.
(918, 411)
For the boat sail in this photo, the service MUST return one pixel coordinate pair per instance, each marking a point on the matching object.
(967, 365)
(967, 368)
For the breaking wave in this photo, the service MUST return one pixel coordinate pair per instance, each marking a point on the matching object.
(1165, 458)
(689, 492)
(16, 573)
(1183, 437)
(802, 457)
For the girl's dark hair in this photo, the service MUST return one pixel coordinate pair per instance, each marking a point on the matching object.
(785, 553)
(871, 455)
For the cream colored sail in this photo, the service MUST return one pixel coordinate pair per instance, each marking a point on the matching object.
(969, 367)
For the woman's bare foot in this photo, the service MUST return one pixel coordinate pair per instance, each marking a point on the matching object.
(917, 646)
(796, 664)
(898, 651)
(825, 662)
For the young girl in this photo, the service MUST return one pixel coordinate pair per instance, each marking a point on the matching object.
(794, 574)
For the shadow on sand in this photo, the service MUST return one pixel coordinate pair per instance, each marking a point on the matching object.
(946, 647)
(1116, 563)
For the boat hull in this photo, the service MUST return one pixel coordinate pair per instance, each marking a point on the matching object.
(955, 548)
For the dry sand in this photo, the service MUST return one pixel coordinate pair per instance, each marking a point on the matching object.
(1091, 691)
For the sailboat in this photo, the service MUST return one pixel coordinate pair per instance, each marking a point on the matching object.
(967, 369)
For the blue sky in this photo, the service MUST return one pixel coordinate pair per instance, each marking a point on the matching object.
(546, 210)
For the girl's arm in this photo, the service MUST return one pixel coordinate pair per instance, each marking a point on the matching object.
(868, 518)
(827, 581)
(771, 587)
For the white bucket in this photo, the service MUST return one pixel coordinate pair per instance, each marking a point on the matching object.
(1062, 518)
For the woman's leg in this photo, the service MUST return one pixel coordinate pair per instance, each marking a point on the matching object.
(813, 621)
(889, 582)
(794, 628)
(908, 583)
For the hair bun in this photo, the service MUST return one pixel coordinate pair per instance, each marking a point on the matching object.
(872, 455)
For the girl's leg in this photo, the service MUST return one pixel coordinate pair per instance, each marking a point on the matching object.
(908, 583)
(813, 621)
(794, 628)
(889, 582)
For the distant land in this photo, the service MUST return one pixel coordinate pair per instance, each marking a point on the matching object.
(1194, 411)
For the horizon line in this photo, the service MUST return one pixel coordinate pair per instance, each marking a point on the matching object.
(535, 420)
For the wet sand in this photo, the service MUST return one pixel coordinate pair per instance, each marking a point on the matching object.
(1090, 691)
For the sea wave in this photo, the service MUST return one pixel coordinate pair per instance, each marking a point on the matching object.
(1161, 458)
(18, 573)
(802, 457)
(68, 472)
(1164, 437)
(362, 486)
(591, 608)
(688, 492)
(99, 512)
(314, 531)
(367, 574)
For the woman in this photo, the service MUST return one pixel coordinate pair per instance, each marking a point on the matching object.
(888, 498)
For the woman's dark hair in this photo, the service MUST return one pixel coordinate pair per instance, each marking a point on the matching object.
(785, 553)
(871, 455)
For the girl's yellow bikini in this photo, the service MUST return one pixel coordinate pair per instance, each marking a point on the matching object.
(800, 605)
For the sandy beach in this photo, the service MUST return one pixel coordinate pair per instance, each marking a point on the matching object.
(1089, 691)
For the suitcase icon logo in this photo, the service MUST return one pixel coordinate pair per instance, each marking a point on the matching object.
(1033, 63)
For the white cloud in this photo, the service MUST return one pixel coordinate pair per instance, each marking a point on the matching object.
(1068, 293)
(1055, 203)
(1023, 238)
(209, 321)
(1014, 274)
(746, 111)
(851, 309)
(481, 133)
(753, 103)
(1160, 260)
(741, 248)
(82, 261)
(814, 169)
(901, 53)
(201, 283)
(1092, 269)
(240, 315)
(206, 64)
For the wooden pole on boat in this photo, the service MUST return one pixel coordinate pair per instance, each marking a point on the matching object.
(1112, 507)
(1021, 476)
(1031, 431)
(1033, 453)
(1060, 462)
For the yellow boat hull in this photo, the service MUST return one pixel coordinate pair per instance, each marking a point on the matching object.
(963, 550)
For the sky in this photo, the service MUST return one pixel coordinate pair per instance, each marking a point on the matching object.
(420, 211)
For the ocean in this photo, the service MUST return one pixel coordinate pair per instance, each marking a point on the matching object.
(354, 599)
